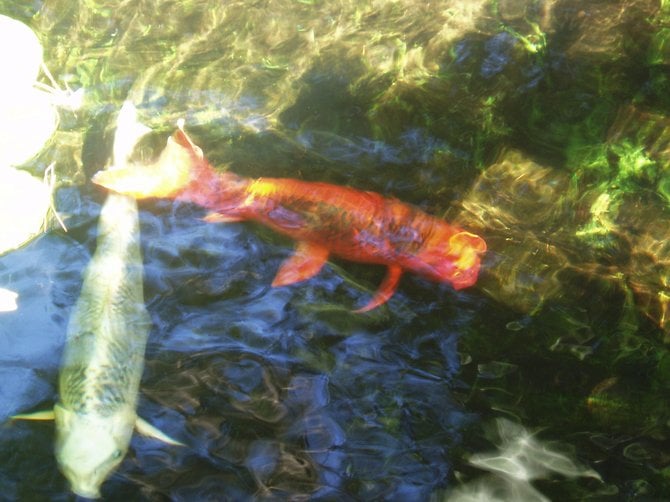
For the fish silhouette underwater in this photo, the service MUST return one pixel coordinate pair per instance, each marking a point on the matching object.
(323, 218)
(103, 357)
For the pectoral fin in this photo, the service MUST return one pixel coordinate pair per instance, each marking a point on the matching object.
(221, 218)
(386, 289)
(146, 429)
(306, 262)
(38, 415)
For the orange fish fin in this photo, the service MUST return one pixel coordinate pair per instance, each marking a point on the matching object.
(214, 217)
(306, 262)
(385, 291)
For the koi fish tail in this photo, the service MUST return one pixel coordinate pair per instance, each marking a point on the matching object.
(182, 139)
(166, 177)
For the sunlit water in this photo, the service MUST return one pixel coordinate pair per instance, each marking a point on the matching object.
(542, 126)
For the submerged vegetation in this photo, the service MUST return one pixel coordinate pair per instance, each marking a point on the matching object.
(543, 125)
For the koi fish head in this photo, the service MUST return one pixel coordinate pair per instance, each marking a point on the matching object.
(89, 448)
(452, 257)
(166, 177)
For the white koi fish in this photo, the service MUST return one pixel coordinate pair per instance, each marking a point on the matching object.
(103, 358)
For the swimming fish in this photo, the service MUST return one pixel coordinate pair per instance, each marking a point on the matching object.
(103, 357)
(323, 218)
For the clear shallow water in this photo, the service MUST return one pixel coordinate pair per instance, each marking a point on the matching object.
(540, 125)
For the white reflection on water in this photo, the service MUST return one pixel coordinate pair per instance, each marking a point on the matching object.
(520, 459)
(8, 300)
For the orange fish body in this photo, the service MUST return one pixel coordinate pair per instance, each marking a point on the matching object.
(323, 218)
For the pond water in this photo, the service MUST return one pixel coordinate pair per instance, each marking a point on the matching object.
(543, 126)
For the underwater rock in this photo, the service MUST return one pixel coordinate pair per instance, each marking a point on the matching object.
(29, 120)
(603, 31)
(32, 111)
(45, 275)
(512, 10)
(24, 202)
(279, 470)
(616, 403)
(628, 222)
(644, 129)
(24, 63)
(34, 120)
(659, 50)
(518, 205)
(545, 230)
(592, 50)
(643, 215)
(646, 222)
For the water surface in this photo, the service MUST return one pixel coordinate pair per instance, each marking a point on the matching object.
(541, 125)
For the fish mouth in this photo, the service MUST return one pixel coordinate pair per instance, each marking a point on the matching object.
(87, 492)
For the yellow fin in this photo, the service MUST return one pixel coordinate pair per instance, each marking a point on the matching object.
(37, 415)
(146, 429)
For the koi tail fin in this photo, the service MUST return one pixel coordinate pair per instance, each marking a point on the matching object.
(165, 178)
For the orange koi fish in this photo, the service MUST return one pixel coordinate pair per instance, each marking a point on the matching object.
(323, 218)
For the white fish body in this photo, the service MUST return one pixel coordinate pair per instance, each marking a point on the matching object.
(106, 338)
(104, 355)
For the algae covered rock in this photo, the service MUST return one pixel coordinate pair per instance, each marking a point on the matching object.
(544, 231)
(519, 206)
